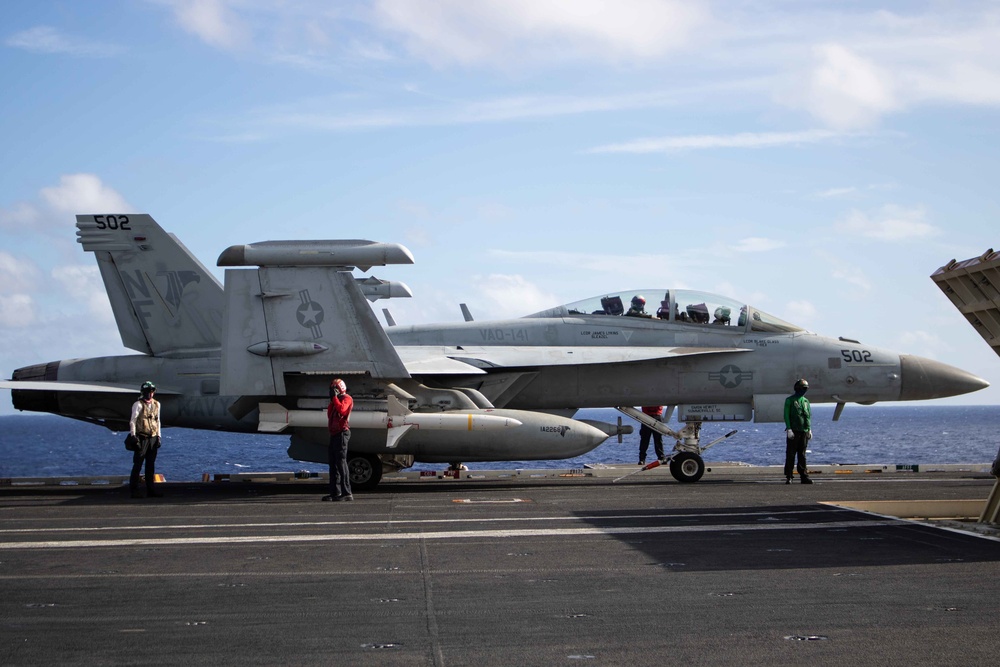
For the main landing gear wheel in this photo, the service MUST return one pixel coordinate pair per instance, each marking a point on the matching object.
(365, 471)
(687, 467)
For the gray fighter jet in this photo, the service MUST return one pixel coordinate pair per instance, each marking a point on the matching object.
(259, 353)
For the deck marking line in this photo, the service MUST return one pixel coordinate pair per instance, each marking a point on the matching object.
(437, 535)
(382, 522)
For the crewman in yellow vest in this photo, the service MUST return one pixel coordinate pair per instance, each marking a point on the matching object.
(144, 426)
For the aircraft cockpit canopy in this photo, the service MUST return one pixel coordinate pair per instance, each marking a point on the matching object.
(681, 306)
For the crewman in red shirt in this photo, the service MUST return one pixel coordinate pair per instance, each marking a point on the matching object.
(645, 432)
(338, 415)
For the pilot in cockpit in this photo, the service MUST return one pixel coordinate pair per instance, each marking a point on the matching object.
(638, 307)
(722, 316)
(697, 313)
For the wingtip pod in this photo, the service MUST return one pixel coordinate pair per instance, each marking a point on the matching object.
(344, 253)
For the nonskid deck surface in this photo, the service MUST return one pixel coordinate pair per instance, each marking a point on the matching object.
(714, 470)
(740, 569)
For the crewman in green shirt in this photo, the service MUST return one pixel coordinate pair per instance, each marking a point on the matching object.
(798, 431)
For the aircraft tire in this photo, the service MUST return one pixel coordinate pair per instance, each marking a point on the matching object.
(686, 467)
(365, 471)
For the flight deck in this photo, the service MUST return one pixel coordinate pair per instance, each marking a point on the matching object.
(736, 569)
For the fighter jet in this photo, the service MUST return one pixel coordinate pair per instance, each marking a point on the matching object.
(258, 354)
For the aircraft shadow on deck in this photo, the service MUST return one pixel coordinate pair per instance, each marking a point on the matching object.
(786, 537)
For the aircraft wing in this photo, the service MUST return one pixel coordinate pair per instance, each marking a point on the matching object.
(464, 360)
(418, 360)
(92, 387)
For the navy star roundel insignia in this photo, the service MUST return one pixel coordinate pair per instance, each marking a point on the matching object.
(731, 376)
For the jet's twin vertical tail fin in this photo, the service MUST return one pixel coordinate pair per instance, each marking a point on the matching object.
(165, 301)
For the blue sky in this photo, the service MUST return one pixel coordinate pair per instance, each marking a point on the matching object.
(817, 159)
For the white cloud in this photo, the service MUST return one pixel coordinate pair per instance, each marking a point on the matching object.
(16, 275)
(85, 285)
(955, 82)
(56, 207)
(708, 141)
(851, 275)
(49, 40)
(871, 64)
(215, 22)
(16, 311)
(853, 192)
(677, 270)
(316, 115)
(418, 236)
(890, 223)
(510, 296)
(846, 90)
(29, 297)
(836, 192)
(83, 193)
(847, 66)
(923, 343)
(21, 216)
(943, 57)
(800, 311)
(370, 51)
(850, 279)
(497, 32)
(757, 244)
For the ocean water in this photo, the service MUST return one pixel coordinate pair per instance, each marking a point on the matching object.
(48, 446)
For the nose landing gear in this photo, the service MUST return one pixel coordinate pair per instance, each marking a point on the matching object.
(686, 464)
(686, 467)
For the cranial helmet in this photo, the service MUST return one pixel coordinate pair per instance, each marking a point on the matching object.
(339, 385)
(801, 385)
(147, 389)
(638, 301)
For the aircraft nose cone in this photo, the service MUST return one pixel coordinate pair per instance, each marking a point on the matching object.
(926, 378)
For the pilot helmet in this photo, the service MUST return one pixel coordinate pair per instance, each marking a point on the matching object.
(638, 302)
(801, 385)
(147, 389)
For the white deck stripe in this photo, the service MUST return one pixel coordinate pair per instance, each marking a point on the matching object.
(393, 522)
(436, 535)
